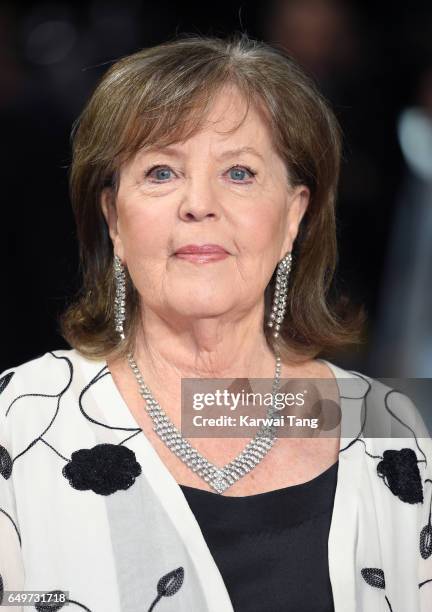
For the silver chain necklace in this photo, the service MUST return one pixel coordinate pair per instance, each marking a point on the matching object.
(219, 478)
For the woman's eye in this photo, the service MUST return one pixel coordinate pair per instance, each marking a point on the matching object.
(239, 173)
(160, 173)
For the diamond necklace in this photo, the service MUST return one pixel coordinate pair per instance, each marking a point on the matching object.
(219, 478)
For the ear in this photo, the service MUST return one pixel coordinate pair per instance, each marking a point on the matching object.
(108, 206)
(297, 204)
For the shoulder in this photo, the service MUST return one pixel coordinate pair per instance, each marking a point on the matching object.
(28, 370)
(388, 411)
(40, 374)
(31, 391)
(43, 369)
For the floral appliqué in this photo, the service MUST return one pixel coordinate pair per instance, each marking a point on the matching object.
(400, 472)
(104, 469)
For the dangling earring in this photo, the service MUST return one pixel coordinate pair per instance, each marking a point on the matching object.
(120, 295)
(279, 298)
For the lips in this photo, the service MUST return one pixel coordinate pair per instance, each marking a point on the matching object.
(203, 249)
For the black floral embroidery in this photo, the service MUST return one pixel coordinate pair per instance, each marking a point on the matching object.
(1, 590)
(374, 576)
(104, 469)
(426, 532)
(5, 463)
(5, 380)
(400, 472)
(59, 396)
(55, 603)
(426, 541)
(168, 585)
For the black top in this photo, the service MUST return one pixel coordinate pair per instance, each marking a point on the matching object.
(271, 548)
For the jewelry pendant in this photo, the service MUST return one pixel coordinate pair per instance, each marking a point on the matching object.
(219, 483)
(219, 479)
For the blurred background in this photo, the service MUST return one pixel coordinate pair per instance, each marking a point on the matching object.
(373, 62)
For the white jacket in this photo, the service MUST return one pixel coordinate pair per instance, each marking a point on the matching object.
(110, 524)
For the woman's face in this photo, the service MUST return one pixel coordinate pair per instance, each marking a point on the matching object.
(214, 188)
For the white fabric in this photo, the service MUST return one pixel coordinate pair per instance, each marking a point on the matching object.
(109, 551)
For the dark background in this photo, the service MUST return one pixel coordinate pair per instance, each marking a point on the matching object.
(371, 60)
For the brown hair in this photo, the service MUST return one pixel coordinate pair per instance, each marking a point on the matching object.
(150, 97)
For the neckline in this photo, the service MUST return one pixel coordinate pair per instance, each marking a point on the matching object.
(313, 483)
(260, 513)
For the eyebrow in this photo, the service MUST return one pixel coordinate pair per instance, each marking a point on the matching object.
(174, 151)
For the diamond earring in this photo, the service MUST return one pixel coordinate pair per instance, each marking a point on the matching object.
(279, 298)
(120, 295)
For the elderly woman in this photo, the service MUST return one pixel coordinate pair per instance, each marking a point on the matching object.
(203, 184)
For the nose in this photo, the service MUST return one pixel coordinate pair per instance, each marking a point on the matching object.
(199, 200)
